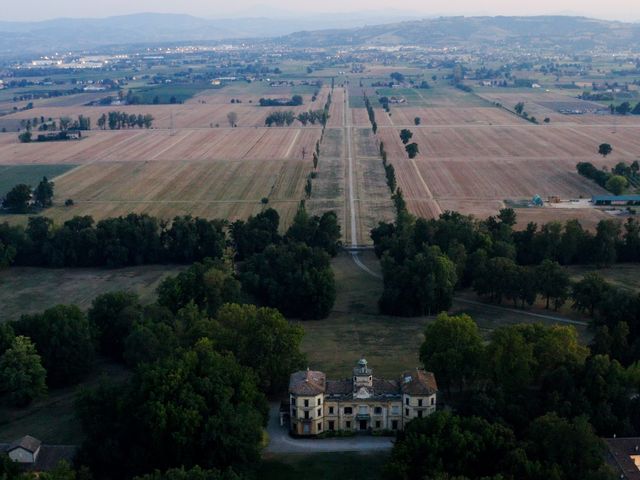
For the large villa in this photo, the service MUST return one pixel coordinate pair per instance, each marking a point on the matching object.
(360, 403)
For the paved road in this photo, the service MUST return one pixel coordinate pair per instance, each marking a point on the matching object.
(281, 442)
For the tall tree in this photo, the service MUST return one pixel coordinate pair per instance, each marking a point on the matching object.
(262, 339)
(616, 184)
(553, 283)
(589, 293)
(208, 285)
(22, 376)
(412, 150)
(292, 277)
(605, 149)
(18, 198)
(406, 135)
(63, 339)
(452, 350)
(421, 284)
(43, 193)
(197, 407)
(447, 446)
(112, 316)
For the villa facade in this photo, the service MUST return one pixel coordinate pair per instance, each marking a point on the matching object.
(361, 403)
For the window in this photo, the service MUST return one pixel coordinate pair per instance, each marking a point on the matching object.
(395, 410)
(306, 403)
(419, 402)
(394, 425)
(377, 423)
(420, 413)
(319, 401)
(406, 412)
(306, 415)
(378, 410)
(348, 410)
(348, 424)
(331, 426)
(330, 410)
(319, 426)
(362, 410)
(319, 412)
(433, 400)
(406, 401)
(293, 412)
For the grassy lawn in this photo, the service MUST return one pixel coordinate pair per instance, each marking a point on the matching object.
(27, 290)
(24, 290)
(53, 419)
(12, 175)
(391, 344)
(322, 466)
(622, 275)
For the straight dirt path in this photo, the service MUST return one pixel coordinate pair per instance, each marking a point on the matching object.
(347, 127)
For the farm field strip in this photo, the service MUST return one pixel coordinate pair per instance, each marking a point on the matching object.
(440, 116)
(219, 189)
(204, 111)
(474, 169)
(575, 142)
(196, 145)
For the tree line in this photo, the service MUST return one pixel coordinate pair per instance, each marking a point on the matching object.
(389, 171)
(424, 261)
(295, 101)
(121, 120)
(371, 113)
(273, 266)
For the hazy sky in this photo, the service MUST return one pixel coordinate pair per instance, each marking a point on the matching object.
(44, 9)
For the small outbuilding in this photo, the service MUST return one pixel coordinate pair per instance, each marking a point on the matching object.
(32, 455)
(24, 450)
(616, 200)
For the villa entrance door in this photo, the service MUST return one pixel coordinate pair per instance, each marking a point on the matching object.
(363, 424)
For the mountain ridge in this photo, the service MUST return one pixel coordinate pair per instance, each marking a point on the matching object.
(576, 33)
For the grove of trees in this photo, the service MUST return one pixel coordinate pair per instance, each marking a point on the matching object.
(423, 261)
(530, 403)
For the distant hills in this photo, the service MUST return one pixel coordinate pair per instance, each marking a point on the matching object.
(575, 33)
(567, 33)
(154, 28)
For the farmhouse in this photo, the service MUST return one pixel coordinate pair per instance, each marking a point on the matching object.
(32, 455)
(361, 403)
(24, 450)
(616, 200)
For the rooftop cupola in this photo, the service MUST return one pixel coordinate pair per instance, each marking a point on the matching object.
(362, 375)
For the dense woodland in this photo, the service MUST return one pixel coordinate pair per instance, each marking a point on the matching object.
(222, 353)
(529, 403)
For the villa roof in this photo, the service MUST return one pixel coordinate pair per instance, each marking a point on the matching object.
(339, 387)
(312, 382)
(28, 443)
(419, 382)
(385, 387)
(307, 382)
